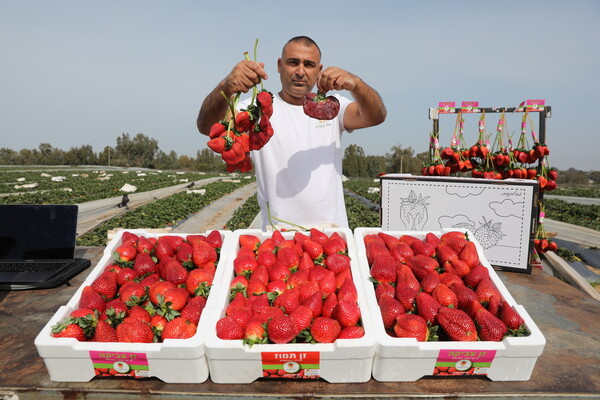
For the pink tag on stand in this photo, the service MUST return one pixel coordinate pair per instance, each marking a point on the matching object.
(445, 107)
(535, 105)
(469, 106)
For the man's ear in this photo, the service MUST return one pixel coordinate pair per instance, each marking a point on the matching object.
(279, 65)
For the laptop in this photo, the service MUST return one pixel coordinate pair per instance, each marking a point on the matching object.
(37, 246)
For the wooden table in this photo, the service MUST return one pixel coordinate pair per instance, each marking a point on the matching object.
(568, 368)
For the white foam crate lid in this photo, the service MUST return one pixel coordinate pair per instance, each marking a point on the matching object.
(406, 359)
(173, 360)
(345, 360)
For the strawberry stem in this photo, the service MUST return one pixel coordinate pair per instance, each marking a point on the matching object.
(280, 220)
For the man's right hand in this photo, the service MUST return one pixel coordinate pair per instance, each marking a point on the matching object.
(243, 77)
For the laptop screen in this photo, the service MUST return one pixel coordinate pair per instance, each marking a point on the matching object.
(37, 232)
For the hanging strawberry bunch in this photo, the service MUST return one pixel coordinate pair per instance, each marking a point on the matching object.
(541, 242)
(455, 155)
(435, 166)
(250, 129)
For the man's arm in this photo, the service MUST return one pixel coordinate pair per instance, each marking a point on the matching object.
(367, 109)
(242, 78)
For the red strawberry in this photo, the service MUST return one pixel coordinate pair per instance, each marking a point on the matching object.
(335, 244)
(193, 309)
(157, 324)
(384, 288)
(406, 296)
(423, 248)
(445, 253)
(288, 300)
(320, 106)
(390, 308)
(244, 265)
(173, 271)
(476, 274)
(129, 237)
(347, 290)
(215, 239)
(510, 316)
(432, 238)
(401, 251)
(139, 312)
(163, 249)
(184, 255)
(144, 245)
(104, 333)
(125, 252)
(91, 299)
(281, 329)
(427, 307)
(464, 295)
(329, 303)
(455, 242)
(445, 296)
(192, 239)
(266, 258)
(384, 269)
(389, 240)
(450, 278)
(325, 330)
(133, 330)
(405, 277)
(486, 290)
(469, 255)
(489, 327)
(255, 332)
(411, 326)
(421, 265)
(352, 332)
(106, 285)
(328, 283)
(337, 262)
(179, 328)
(227, 328)
(255, 287)
(296, 278)
(132, 293)
(430, 281)
(302, 317)
(318, 236)
(199, 281)
(69, 330)
(158, 288)
(176, 298)
(376, 249)
(242, 315)
(203, 253)
(144, 264)
(288, 257)
(347, 313)
(249, 241)
(458, 267)
(457, 324)
(277, 287)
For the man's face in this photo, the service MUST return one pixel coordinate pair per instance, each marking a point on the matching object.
(298, 68)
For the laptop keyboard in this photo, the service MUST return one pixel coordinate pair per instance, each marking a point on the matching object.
(32, 266)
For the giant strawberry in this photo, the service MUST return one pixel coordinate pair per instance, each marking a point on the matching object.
(320, 106)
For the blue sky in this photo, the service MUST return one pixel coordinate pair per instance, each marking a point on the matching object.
(83, 72)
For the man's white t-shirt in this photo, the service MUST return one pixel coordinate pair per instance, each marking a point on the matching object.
(299, 171)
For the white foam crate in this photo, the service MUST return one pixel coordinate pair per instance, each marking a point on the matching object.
(172, 361)
(407, 360)
(345, 360)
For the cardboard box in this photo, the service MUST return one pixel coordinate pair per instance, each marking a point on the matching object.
(406, 359)
(502, 214)
(345, 360)
(172, 361)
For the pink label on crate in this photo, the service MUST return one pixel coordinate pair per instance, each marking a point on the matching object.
(114, 363)
(464, 362)
(297, 365)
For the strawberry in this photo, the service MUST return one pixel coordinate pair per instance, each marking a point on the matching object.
(279, 272)
(193, 309)
(450, 278)
(469, 255)
(288, 300)
(255, 287)
(457, 324)
(328, 283)
(384, 288)
(227, 328)
(132, 293)
(184, 255)
(288, 257)
(144, 245)
(347, 313)
(106, 285)
(203, 253)
(430, 281)
(411, 326)
(445, 296)
(302, 316)
(315, 303)
(406, 296)
(347, 291)
(486, 290)
(325, 330)
(421, 265)
(69, 329)
(249, 241)
(427, 307)
(329, 303)
(423, 248)
(510, 316)
(173, 271)
(476, 274)
(454, 241)
(241, 315)
(401, 251)
(337, 262)
(144, 264)
(464, 295)
(104, 333)
(458, 267)
(383, 269)
(432, 238)
(175, 299)
(376, 249)
(255, 332)
(352, 332)
(129, 238)
(281, 329)
(389, 240)
(276, 287)
(194, 238)
(266, 257)
(489, 327)
(158, 288)
(133, 330)
(405, 277)
(179, 328)
(389, 309)
(445, 253)
(335, 244)
(199, 281)
(318, 236)
(313, 249)
(217, 129)
(244, 265)
(126, 252)
(92, 300)
(320, 106)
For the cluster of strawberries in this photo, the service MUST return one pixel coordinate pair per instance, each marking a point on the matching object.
(249, 129)
(437, 289)
(298, 289)
(155, 289)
